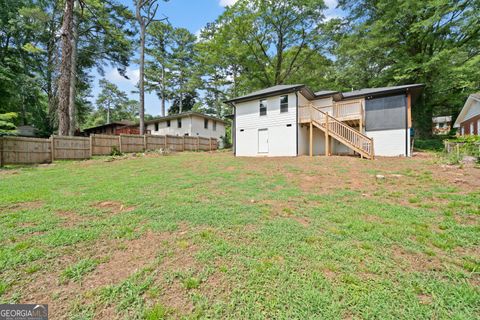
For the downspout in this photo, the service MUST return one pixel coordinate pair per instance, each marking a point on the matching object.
(406, 125)
(296, 123)
(234, 129)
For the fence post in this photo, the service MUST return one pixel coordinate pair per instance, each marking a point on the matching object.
(144, 142)
(165, 142)
(52, 147)
(120, 143)
(183, 146)
(91, 145)
(198, 143)
(210, 144)
(1, 151)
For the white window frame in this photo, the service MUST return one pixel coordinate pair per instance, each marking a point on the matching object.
(283, 103)
(263, 105)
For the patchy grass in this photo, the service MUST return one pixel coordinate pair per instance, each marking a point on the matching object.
(77, 271)
(199, 235)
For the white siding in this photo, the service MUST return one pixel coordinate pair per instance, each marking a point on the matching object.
(473, 111)
(198, 128)
(191, 125)
(173, 130)
(282, 139)
(389, 143)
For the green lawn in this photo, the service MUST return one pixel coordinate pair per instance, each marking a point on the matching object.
(199, 235)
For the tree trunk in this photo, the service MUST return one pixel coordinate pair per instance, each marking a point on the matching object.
(72, 110)
(141, 84)
(180, 106)
(108, 113)
(163, 91)
(65, 69)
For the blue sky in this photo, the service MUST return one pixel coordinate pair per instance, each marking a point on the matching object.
(190, 14)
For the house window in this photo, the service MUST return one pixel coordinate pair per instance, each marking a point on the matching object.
(168, 123)
(462, 130)
(471, 128)
(205, 123)
(263, 107)
(156, 126)
(284, 103)
(214, 126)
(478, 128)
(179, 122)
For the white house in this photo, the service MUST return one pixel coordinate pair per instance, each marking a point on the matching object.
(468, 121)
(291, 120)
(188, 124)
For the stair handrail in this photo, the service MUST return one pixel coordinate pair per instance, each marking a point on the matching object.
(341, 123)
(331, 119)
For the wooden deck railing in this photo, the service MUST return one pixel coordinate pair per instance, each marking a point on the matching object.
(348, 109)
(337, 129)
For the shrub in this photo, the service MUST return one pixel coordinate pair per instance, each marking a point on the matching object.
(115, 151)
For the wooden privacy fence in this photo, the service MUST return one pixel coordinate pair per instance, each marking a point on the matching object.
(21, 150)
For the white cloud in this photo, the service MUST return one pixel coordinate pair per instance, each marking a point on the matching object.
(226, 3)
(331, 4)
(198, 34)
(132, 74)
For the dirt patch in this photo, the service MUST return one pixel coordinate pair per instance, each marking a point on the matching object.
(286, 209)
(29, 205)
(122, 263)
(123, 258)
(70, 218)
(113, 207)
(173, 293)
(417, 262)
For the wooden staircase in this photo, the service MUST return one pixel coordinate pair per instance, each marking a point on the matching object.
(342, 132)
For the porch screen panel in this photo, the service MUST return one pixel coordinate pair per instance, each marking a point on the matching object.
(386, 113)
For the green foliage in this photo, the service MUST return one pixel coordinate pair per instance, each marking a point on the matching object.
(77, 271)
(112, 105)
(115, 151)
(464, 146)
(157, 312)
(392, 42)
(7, 125)
(431, 144)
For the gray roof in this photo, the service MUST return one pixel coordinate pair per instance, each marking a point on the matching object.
(325, 92)
(441, 119)
(268, 91)
(376, 91)
(113, 123)
(182, 115)
(284, 88)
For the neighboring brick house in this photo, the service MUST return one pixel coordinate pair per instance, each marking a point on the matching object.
(468, 121)
(114, 128)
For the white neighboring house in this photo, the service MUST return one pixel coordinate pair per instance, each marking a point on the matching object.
(468, 121)
(188, 124)
(292, 120)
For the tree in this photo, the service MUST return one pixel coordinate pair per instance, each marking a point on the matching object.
(157, 69)
(114, 103)
(183, 73)
(145, 11)
(7, 125)
(390, 42)
(65, 69)
(187, 103)
(265, 30)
